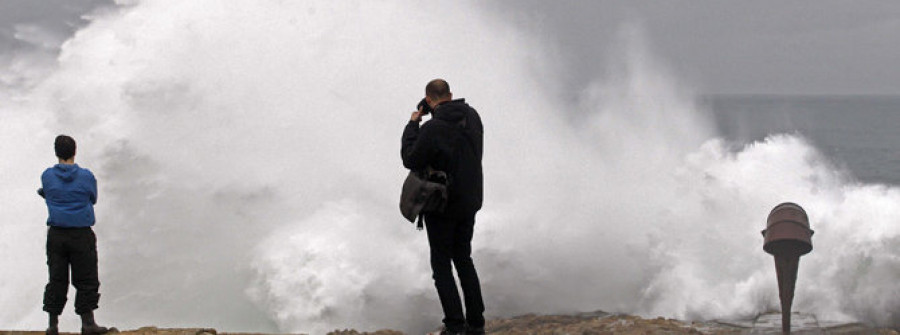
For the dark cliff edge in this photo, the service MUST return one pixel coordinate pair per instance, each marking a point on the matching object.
(595, 323)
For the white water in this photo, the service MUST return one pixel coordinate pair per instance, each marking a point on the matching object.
(248, 158)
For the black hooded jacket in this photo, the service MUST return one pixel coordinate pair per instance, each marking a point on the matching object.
(452, 142)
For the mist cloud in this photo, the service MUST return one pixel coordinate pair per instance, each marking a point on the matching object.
(248, 158)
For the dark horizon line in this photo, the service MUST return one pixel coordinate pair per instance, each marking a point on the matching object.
(800, 95)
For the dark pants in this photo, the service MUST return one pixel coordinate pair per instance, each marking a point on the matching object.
(451, 240)
(75, 248)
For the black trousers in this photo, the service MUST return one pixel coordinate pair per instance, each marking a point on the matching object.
(74, 248)
(450, 240)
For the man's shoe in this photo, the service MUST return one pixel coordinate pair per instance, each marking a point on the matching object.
(94, 330)
(444, 331)
(475, 331)
(53, 324)
(90, 327)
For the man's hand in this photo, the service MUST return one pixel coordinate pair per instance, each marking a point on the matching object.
(416, 116)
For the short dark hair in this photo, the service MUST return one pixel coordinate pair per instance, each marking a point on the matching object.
(64, 146)
(437, 89)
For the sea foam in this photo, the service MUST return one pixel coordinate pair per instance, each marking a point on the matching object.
(248, 160)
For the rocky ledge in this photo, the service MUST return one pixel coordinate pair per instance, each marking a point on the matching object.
(597, 323)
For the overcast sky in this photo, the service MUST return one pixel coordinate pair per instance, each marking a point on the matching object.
(35, 23)
(756, 47)
(782, 47)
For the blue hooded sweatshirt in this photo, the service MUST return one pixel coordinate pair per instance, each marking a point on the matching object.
(70, 193)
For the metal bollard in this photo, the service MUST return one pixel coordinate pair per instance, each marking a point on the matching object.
(787, 237)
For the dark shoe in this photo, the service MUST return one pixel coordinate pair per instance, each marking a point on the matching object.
(94, 330)
(444, 331)
(90, 327)
(475, 331)
(53, 325)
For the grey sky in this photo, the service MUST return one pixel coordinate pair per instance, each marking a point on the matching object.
(31, 32)
(774, 47)
(30, 23)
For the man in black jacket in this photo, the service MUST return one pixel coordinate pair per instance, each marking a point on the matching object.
(451, 142)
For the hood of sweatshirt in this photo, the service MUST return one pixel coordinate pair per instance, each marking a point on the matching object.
(66, 172)
(452, 111)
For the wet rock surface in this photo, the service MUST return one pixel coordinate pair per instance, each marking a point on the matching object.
(601, 323)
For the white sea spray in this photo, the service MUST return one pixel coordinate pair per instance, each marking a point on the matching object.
(248, 160)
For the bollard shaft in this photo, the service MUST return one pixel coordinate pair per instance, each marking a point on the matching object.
(786, 268)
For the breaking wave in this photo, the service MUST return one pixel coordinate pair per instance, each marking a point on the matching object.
(248, 159)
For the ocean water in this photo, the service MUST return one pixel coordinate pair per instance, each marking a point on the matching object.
(856, 132)
(248, 162)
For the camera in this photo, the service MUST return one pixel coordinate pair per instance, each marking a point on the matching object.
(426, 109)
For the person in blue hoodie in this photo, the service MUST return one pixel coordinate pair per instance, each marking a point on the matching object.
(70, 193)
